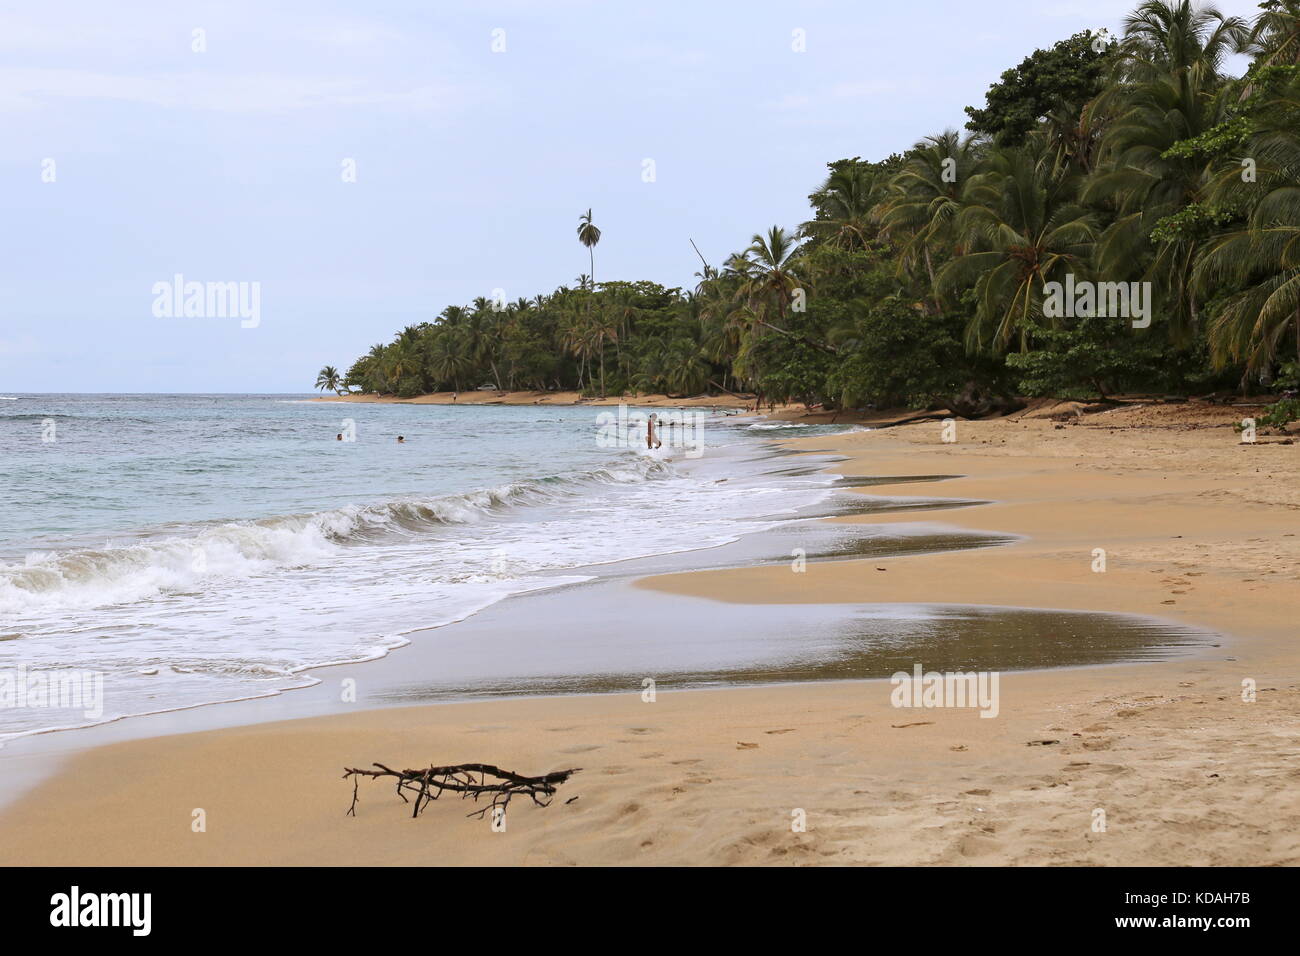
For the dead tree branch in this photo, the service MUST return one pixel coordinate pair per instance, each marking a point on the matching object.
(429, 783)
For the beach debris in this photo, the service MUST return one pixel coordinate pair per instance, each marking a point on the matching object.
(467, 779)
(1040, 743)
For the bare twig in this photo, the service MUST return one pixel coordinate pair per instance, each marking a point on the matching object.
(429, 783)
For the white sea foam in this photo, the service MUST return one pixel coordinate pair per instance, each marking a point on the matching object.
(176, 585)
(123, 572)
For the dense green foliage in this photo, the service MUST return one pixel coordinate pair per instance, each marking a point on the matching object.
(1070, 74)
(926, 279)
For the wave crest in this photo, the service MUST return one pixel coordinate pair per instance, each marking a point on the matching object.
(121, 573)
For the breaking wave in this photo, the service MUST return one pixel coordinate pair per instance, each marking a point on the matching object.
(126, 571)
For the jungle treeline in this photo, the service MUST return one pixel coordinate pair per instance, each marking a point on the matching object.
(1133, 164)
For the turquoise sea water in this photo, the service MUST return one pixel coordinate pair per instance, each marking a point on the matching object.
(195, 548)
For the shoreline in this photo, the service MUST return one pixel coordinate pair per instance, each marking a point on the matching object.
(570, 397)
(1160, 743)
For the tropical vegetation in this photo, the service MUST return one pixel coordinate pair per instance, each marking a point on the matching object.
(923, 278)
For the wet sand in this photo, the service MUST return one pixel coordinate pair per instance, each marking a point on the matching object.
(1197, 530)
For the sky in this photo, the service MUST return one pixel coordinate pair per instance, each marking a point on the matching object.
(359, 167)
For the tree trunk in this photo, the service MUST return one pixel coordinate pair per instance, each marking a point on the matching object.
(929, 270)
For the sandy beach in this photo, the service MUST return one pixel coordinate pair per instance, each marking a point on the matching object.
(1196, 529)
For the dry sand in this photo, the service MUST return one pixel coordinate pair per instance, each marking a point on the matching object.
(1196, 528)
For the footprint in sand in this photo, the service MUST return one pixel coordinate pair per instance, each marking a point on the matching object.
(977, 846)
(743, 745)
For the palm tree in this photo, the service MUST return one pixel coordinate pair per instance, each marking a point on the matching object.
(925, 196)
(604, 329)
(1260, 259)
(1170, 59)
(1275, 35)
(771, 267)
(589, 235)
(448, 359)
(403, 360)
(1175, 40)
(328, 378)
(1024, 229)
(846, 200)
(583, 336)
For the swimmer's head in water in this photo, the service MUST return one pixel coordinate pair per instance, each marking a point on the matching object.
(401, 438)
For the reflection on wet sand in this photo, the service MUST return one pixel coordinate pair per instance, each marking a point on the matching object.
(629, 635)
(534, 644)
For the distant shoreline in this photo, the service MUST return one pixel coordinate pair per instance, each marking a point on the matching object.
(486, 397)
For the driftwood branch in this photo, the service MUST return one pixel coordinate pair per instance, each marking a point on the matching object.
(467, 779)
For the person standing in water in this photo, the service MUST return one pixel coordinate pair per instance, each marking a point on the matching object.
(651, 439)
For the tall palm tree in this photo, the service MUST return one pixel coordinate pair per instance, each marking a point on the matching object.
(589, 235)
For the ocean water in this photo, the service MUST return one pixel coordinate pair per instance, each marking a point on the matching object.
(199, 548)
